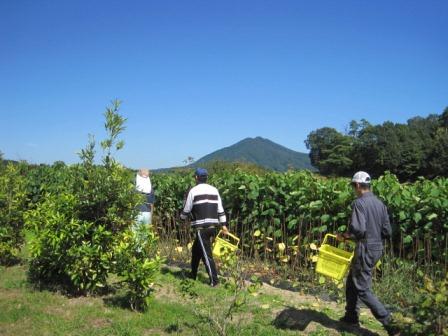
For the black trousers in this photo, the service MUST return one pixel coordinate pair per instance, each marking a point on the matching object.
(202, 250)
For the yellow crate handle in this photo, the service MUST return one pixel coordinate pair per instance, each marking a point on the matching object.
(221, 232)
(328, 235)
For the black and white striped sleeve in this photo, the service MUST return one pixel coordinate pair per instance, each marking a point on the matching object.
(188, 206)
(221, 214)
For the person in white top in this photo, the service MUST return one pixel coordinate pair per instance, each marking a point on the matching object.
(143, 185)
(204, 206)
(143, 182)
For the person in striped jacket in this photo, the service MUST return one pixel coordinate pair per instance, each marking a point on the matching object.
(204, 207)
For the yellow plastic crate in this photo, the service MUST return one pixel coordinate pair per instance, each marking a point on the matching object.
(222, 246)
(332, 261)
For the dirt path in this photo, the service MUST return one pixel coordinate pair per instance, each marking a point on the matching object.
(306, 314)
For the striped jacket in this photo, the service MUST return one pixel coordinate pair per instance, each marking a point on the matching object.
(204, 205)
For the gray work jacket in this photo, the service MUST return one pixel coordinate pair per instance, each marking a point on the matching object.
(370, 221)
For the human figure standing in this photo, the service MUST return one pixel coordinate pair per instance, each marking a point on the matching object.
(143, 185)
(204, 205)
(369, 226)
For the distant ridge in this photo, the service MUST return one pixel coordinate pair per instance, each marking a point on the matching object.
(262, 152)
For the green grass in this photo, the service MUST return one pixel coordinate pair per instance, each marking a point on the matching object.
(25, 311)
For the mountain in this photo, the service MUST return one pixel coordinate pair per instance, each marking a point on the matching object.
(262, 152)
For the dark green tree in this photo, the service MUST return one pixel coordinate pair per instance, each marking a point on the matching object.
(444, 118)
(417, 148)
(330, 151)
(439, 156)
(425, 130)
(355, 128)
(393, 147)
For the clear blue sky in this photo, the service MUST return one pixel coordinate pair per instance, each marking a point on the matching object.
(195, 76)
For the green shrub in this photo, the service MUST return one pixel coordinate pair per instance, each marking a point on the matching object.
(12, 208)
(430, 314)
(397, 283)
(138, 263)
(47, 179)
(66, 250)
(79, 231)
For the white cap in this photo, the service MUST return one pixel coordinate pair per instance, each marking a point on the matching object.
(361, 177)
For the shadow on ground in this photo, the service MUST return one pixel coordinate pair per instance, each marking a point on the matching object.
(118, 301)
(176, 271)
(183, 273)
(299, 319)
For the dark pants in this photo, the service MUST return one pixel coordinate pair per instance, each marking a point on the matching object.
(147, 205)
(359, 284)
(202, 249)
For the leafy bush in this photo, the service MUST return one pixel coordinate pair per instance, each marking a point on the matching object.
(79, 231)
(397, 283)
(47, 179)
(12, 208)
(67, 250)
(430, 314)
(138, 263)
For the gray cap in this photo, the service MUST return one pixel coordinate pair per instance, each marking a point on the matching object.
(361, 177)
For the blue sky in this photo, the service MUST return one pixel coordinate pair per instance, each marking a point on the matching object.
(195, 76)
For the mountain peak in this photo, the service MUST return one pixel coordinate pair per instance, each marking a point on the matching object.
(262, 152)
(256, 138)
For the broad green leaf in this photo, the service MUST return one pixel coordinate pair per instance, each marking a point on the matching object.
(325, 218)
(408, 239)
(417, 217)
(431, 216)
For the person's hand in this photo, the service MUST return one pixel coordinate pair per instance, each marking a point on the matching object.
(343, 237)
(340, 237)
(225, 230)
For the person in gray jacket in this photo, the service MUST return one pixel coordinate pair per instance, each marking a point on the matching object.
(369, 226)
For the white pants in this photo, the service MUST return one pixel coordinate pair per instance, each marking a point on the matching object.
(142, 222)
(144, 218)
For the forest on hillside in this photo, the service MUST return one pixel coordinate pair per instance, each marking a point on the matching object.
(417, 148)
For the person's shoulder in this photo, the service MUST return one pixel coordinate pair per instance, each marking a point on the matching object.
(207, 188)
(374, 197)
(370, 200)
(358, 203)
(193, 189)
(357, 200)
(213, 188)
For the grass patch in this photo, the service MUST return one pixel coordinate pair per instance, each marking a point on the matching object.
(26, 311)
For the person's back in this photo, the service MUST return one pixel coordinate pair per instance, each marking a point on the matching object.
(206, 206)
(143, 182)
(370, 220)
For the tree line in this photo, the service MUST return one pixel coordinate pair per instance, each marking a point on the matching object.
(417, 148)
